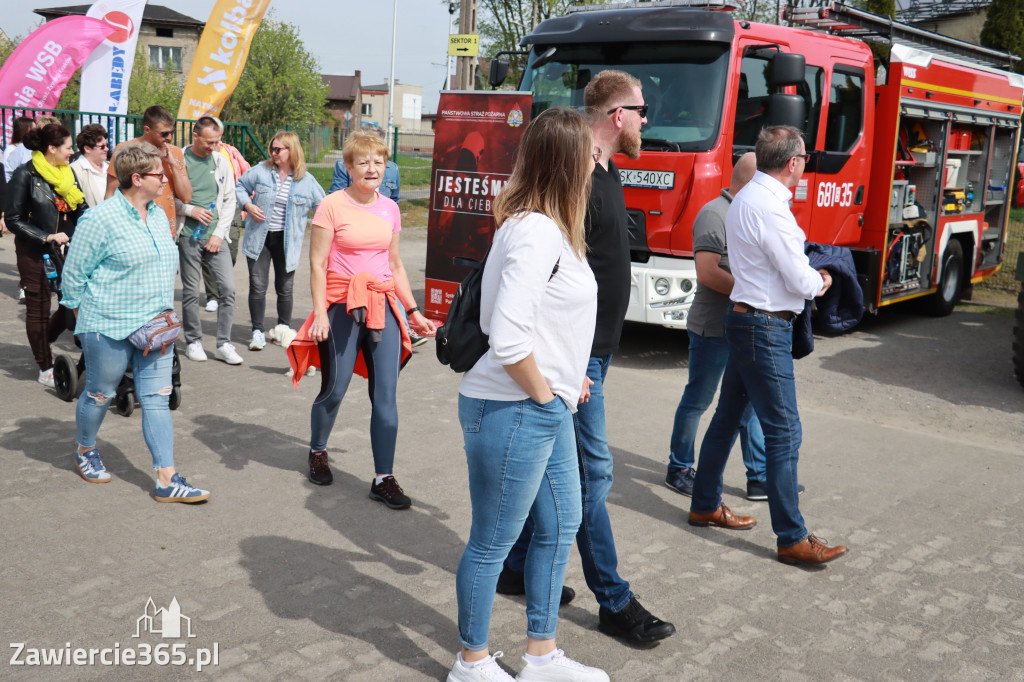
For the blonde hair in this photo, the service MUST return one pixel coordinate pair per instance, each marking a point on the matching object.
(361, 143)
(552, 174)
(133, 157)
(295, 153)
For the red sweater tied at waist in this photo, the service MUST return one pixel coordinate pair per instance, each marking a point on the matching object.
(362, 290)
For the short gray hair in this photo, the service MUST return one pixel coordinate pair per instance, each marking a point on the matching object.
(775, 146)
(134, 157)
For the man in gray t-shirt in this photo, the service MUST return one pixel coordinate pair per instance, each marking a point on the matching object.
(708, 349)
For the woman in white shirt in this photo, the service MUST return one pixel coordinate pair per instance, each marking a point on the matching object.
(91, 166)
(538, 306)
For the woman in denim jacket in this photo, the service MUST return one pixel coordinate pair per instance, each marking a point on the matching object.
(278, 196)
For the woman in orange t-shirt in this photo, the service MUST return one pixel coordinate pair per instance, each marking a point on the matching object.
(358, 281)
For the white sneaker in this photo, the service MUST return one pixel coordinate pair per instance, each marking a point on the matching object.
(561, 669)
(46, 378)
(226, 352)
(21, 295)
(195, 351)
(258, 340)
(212, 305)
(486, 670)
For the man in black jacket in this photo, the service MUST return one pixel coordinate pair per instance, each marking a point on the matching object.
(616, 111)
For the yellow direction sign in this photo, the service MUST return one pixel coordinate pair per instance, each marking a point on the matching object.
(464, 45)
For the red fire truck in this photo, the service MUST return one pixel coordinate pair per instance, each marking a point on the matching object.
(912, 144)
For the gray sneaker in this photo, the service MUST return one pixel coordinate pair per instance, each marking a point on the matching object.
(681, 480)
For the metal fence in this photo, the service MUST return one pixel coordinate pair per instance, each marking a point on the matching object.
(1006, 278)
(123, 127)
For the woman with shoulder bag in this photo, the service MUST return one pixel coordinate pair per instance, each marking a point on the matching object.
(43, 206)
(282, 195)
(119, 280)
(538, 306)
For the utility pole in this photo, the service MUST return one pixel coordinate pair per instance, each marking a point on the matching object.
(465, 67)
(452, 6)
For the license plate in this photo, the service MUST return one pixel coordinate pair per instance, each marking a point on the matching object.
(634, 177)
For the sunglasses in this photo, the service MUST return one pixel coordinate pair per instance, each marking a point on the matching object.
(166, 134)
(275, 150)
(639, 108)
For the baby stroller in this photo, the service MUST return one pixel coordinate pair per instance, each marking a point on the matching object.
(68, 373)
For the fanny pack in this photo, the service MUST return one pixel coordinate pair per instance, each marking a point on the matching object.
(159, 332)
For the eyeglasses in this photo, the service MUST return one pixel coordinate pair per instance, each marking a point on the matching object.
(805, 157)
(162, 176)
(639, 108)
(275, 150)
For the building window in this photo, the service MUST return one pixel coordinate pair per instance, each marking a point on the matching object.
(367, 109)
(161, 57)
(165, 33)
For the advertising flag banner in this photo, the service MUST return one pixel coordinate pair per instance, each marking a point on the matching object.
(474, 147)
(221, 56)
(36, 72)
(106, 72)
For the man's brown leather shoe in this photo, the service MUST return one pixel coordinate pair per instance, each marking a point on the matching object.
(724, 518)
(810, 551)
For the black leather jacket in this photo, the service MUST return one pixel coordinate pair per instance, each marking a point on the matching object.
(32, 211)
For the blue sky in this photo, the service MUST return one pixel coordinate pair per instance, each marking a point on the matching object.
(344, 35)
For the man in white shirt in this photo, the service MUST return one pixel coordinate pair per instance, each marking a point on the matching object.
(772, 280)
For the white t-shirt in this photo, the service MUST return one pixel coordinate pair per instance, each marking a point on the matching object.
(523, 312)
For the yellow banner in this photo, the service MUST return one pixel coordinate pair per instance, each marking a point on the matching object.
(220, 56)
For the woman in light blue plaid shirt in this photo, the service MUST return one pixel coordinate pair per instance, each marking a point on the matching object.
(118, 276)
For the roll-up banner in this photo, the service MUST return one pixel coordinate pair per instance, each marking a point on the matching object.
(475, 143)
(37, 70)
(106, 72)
(220, 57)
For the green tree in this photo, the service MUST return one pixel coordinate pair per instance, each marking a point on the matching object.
(1004, 27)
(281, 81)
(883, 8)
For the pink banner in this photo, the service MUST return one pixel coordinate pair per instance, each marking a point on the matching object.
(37, 71)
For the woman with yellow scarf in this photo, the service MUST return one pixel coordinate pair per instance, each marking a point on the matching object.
(44, 202)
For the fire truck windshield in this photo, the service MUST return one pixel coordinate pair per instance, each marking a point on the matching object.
(683, 85)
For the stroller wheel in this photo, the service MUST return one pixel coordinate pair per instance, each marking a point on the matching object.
(124, 404)
(175, 398)
(65, 377)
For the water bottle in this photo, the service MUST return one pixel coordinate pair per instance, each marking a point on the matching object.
(197, 232)
(51, 273)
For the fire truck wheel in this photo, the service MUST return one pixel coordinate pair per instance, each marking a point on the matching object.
(1018, 338)
(951, 281)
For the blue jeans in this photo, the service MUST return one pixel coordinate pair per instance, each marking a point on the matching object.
(708, 355)
(337, 360)
(522, 462)
(596, 544)
(759, 372)
(106, 359)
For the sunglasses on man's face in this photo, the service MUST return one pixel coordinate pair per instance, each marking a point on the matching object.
(639, 108)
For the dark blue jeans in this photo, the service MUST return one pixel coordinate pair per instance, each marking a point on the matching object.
(708, 356)
(759, 371)
(337, 359)
(596, 544)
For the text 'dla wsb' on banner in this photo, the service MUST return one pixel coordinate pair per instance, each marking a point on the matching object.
(220, 56)
(108, 69)
(37, 70)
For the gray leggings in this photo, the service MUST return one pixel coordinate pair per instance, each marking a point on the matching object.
(337, 359)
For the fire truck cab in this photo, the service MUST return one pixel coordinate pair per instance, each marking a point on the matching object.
(911, 152)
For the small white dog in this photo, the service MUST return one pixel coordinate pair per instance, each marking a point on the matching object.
(282, 335)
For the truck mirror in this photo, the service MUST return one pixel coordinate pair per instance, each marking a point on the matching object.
(787, 110)
(544, 58)
(498, 72)
(788, 69)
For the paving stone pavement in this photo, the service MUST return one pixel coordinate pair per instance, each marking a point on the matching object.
(912, 454)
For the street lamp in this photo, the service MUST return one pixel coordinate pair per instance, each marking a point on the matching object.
(452, 6)
(391, 85)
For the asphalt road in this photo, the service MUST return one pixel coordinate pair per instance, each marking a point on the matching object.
(912, 454)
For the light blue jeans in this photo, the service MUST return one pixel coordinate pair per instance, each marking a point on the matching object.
(106, 359)
(522, 462)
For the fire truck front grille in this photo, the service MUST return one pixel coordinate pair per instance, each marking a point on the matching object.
(636, 226)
